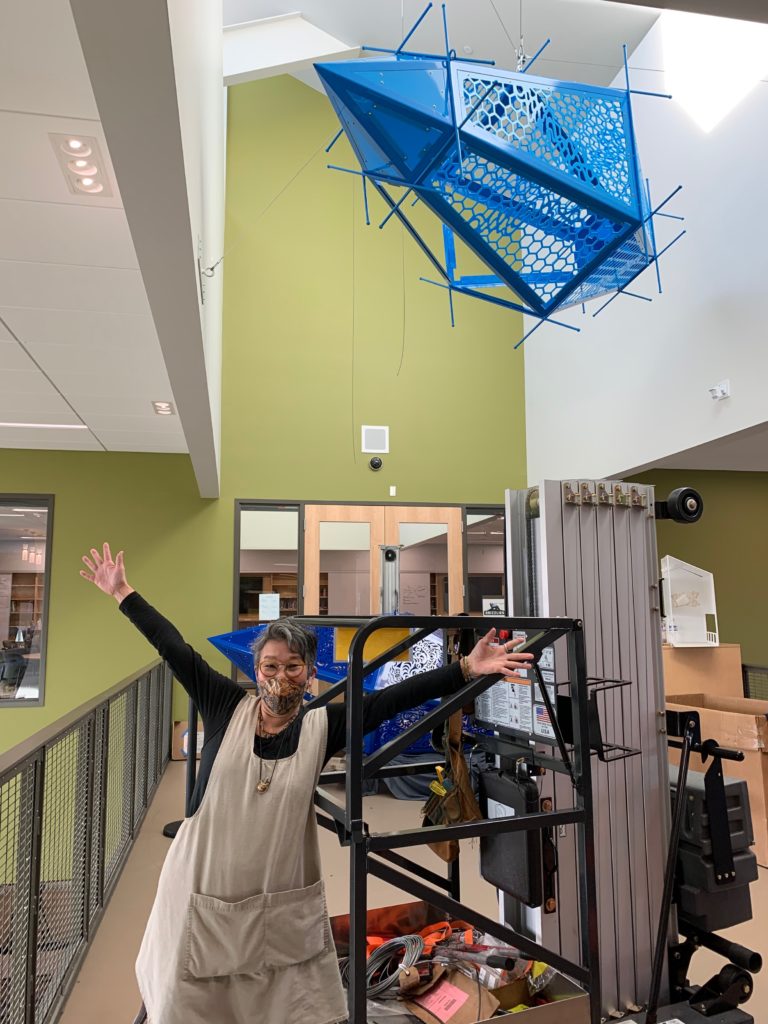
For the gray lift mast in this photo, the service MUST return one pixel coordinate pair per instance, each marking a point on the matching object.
(587, 549)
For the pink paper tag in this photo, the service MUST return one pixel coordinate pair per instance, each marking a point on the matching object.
(444, 1000)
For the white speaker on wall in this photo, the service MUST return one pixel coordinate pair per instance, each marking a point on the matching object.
(375, 440)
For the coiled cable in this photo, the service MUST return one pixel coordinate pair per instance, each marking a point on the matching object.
(385, 963)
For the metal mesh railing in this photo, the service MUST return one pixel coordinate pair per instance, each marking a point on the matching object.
(70, 805)
(755, 681)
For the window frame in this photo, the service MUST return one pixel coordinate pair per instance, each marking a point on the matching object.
(48, 501)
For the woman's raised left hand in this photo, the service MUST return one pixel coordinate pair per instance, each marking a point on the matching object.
(489, 657)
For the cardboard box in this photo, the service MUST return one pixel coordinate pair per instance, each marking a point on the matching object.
(179, 741)
(715, 670)
(570, 1004)
(741, 724)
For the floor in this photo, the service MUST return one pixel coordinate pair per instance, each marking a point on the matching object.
(106, 989)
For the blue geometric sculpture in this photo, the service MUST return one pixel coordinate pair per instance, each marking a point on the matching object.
(539, 178)
(238, 646)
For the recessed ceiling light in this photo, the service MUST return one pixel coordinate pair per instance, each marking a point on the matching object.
(90, 186)
(82, 163)
(47, 426)
(76, 147)
(29, 510)
(83, 167)
(11, 515)
(164, 408)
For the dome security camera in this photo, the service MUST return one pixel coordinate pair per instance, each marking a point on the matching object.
(375, 463)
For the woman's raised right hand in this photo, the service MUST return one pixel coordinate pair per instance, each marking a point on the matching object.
(107, 573)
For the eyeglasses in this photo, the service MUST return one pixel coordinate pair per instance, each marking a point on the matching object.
(270, 668)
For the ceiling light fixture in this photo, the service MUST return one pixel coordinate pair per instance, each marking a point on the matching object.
(29, 510)
(75, 147)
(82, 164)
(10, 515)
(164, 408)
(82, 167)
(47, 426)
(90, 186)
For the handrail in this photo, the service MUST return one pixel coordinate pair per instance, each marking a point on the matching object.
(10, 759)
(72, 799)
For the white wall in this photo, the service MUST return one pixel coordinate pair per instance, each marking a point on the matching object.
(632, 387)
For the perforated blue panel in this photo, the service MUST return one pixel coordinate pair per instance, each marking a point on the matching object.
(539, 178)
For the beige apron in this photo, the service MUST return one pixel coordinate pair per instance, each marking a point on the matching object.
(239, 930)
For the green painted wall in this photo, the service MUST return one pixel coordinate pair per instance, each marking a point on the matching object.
(295, 240)
(317, 307)
(731, 541)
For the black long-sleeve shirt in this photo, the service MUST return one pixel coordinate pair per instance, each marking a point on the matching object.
(216, 696)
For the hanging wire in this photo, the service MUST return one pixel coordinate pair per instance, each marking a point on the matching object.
(402, 254)
(209, 271)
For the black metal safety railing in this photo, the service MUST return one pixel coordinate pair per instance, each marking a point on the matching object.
(370, 850)
(71, 799)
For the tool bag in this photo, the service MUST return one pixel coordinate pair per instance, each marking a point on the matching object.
(452, 800)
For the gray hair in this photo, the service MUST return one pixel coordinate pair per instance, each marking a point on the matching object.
(299, 640)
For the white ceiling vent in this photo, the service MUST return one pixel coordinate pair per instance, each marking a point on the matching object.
(376, 440)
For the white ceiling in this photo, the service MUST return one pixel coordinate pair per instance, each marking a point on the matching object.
(587, 35)
(745, 451)
(77, 340)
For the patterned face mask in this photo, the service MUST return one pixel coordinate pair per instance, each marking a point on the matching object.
(280, 694)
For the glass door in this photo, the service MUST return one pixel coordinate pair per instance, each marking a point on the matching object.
(431, 560)
(341, 559)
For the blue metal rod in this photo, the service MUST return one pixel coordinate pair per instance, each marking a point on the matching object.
(669, 246)
(631, 126)
(419, 20)
(672, 216)
(529, 333)
(365, 202)
(450, 305)
(635, 295)
(653, 234)
(536, 55)
(644, 92)
(449, 77)
(614, 296)
(500, 302)
(375, 176)
(334, 140)
(664, 202)
(479, 103)
(396, 207)
(424, 56)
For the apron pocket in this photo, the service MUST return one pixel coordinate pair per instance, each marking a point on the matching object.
(224, 938)
(296, 925)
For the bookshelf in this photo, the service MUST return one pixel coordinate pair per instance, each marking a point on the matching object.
(285, 584)
(27, 595)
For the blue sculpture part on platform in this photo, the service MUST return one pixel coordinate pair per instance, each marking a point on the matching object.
(539, 178)
(238, 648)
